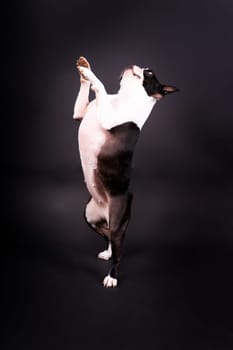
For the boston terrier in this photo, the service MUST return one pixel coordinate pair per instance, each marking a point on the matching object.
(109, 130)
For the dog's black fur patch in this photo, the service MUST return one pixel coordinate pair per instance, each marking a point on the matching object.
(151, 83)
(115, 158)
(153, 87)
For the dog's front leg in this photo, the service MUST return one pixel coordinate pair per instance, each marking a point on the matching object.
(102, 100)
(82, 99)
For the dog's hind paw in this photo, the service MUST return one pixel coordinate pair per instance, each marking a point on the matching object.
(109, 282)
(106, 254)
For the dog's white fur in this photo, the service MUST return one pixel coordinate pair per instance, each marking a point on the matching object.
(130, 104)
(106, 254)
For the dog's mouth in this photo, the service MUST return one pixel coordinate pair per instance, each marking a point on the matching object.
(137, 72)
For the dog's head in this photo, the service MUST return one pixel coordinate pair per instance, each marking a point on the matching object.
(135, 76)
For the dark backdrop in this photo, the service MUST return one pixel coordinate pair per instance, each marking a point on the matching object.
(176, 285)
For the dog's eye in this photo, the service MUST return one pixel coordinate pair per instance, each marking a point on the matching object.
(148, 72)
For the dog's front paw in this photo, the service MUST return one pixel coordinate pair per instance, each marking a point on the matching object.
(109, 282)
(86, 73)
(82, 62)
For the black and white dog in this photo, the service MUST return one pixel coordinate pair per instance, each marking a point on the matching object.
(107, 137)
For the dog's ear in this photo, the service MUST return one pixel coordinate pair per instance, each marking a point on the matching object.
(164, 90)
(168, 89)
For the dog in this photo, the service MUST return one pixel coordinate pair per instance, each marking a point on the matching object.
(108, 132)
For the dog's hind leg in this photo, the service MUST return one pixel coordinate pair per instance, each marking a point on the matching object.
(107, 253)
(96, 217)
(120, 209)
(82, 99)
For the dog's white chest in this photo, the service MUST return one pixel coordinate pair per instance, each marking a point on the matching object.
(125, 107)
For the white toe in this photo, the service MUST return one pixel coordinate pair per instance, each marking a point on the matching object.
(109, 282)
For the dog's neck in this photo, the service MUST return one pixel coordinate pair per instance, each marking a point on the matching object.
(130, 106)
(129, 88)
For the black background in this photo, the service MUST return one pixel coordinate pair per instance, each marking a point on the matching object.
(176, 284)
